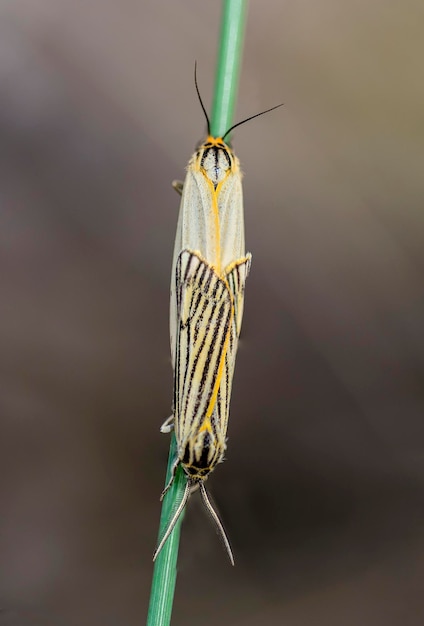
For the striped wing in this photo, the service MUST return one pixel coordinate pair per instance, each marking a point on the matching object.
(204, 328)
(236, 275)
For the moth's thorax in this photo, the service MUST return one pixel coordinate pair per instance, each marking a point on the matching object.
(216, 160)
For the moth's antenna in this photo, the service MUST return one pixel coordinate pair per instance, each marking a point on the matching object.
(216, 519)
(252, 117)
(174, 519)
(200, 98)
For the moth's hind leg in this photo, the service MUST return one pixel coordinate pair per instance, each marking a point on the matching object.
(168, 425)
(171, 480)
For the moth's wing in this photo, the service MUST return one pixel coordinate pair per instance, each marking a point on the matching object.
(231, 218)
(205, 315)
(173, 312)
(236, 274)
(196, 230)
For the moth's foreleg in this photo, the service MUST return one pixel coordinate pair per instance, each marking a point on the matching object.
(168, 425)
(178, 186)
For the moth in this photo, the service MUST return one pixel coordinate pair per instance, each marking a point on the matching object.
(209, 271)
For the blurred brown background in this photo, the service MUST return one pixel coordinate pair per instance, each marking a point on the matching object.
(322, 492)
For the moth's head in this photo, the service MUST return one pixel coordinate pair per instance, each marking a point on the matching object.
(213, 142)
(197, 474)
(202, 453)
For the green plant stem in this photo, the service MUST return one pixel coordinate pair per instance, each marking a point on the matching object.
(165, 568)
(228, 66)
(225, 91)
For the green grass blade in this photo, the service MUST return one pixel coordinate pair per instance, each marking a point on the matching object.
(165, 568)
(225, 92)
(228, 66)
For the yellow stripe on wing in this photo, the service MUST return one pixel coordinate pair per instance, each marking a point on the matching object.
(206, 312)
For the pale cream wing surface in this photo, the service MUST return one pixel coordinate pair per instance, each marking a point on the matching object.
(231, 218)
(199, 228)
(196, 230)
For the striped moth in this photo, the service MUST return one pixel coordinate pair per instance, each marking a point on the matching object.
(209, 270)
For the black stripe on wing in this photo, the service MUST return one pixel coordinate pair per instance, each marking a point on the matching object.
(236, 275)
(205, 310)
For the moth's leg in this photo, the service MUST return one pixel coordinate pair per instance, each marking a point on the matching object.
(171, 480)
(178, 186)
(174, 519)
(194, 487)
(168, 425)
